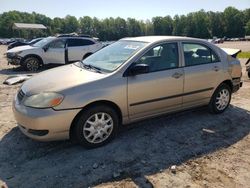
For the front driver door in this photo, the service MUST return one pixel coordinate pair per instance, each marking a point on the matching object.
(161, 89)
(55, 53)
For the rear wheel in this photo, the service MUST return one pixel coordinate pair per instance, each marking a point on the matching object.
(87, 55)
(32, 64)
(220, 99)
(96, 126)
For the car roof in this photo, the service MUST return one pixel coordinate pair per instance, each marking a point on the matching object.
(75, 37)
(152, 39)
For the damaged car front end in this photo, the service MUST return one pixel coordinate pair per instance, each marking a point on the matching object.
(13, 58)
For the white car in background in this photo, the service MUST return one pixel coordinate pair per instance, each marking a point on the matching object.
(53, 50)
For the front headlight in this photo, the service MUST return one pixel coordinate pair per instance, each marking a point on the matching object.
(17, 53)
(13, 54)
(10, 54)
(43, 100)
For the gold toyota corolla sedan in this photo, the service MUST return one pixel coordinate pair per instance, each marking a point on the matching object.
(129, 80)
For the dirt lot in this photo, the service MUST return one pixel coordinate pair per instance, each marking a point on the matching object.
(243, 45)
(208, 150)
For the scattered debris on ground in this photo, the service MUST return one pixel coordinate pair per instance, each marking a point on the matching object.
(187, 149)
(17, 79)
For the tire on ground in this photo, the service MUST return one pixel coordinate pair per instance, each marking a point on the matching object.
(217, 106)
(93, 129)
(86, 55)
(32, 63)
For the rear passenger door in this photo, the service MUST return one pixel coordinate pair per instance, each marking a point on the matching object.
(77, 48)
(202, 71)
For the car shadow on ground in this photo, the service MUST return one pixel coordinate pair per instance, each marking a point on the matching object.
(21, 70)
(140, 149)
(13, 71)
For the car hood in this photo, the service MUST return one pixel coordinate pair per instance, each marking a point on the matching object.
(59, 79)
(20, 48)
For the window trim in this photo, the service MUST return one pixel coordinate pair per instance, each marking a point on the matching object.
(201, 44)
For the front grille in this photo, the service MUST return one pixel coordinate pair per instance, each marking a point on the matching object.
(20, 95)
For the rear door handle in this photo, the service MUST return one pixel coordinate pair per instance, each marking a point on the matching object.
(216, 68)
(177, 75)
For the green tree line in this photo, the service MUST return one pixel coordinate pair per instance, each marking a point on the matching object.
(230, 23)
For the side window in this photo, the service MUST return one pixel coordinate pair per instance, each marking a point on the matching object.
(57, 44)
(72, 42)
(79, 42)
(161, 57)
(197, 54)
(86, 42)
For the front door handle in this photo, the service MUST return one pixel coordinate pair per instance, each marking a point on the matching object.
(177, 75)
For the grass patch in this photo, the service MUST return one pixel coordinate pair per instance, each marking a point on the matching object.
(243, 55)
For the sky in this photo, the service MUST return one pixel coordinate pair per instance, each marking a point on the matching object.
(139, 9)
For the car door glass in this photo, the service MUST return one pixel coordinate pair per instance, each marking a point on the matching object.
(79, 42)
(161, 57)
(57, 44)
(85, 42)
(72, 42)
(197, 54)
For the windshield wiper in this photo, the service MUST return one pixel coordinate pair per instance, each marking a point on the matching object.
(88, 66)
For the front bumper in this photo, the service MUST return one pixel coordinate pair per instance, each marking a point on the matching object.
(14, 60)
(43, 124)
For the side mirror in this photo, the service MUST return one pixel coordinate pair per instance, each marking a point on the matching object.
(45, 48)
(138, 69)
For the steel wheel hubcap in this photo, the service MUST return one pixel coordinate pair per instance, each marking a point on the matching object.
(222, 99)
(98, 127)
(32, 64)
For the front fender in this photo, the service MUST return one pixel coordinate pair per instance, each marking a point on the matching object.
(113, 90)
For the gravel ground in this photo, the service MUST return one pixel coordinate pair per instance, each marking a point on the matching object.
(187, 149)
(243, 45)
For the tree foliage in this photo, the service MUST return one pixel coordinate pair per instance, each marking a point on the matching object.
(230, 23)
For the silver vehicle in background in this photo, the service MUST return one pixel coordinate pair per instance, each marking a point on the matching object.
(53, 50)
(129, 80)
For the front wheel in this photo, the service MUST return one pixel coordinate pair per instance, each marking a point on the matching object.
(96, 126)
(32, 64)
(87, 55)
(220, 99)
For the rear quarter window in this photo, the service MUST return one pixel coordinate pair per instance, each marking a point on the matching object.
(79, 42)
(198, 54)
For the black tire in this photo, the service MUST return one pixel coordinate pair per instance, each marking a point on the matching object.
(87, 55)
(213, 107)
(82, 122)
(32, 64)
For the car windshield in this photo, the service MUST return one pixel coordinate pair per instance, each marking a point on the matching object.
(34, 41)
(111, 57)
(43, 42)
